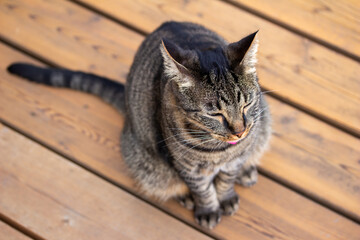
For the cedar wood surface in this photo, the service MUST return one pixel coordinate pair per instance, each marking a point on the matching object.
(317, 159)
(6, 232)
(337, 22)
(83, 205)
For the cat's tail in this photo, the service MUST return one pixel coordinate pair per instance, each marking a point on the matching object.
(110, 91)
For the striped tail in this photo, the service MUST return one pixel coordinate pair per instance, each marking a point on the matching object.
(110, 91)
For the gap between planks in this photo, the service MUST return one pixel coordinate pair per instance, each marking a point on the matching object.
(293, 30)
(26, 232)
(245, 8)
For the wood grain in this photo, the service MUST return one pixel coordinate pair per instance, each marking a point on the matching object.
(300, 71)
(337, 179)
(59, 200)
(58, 119)
(333, 22)
(8, 233)
(61, 30)
(269, 211)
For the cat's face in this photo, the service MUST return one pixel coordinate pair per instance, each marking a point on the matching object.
(227, 109)
(222, 97)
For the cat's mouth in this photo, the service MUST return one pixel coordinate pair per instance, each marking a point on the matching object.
(230, 139)
(234, 139)
(233, 142)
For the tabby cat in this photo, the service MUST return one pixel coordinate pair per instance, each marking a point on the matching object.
(195, 118)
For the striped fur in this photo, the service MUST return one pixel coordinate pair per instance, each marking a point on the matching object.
(181, 75)
(110, 91)
(195, 119)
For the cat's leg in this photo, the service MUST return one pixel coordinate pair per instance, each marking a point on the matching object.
(248, 175)
(228, 198)
(207, 208)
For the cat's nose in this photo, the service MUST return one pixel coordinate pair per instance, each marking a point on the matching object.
(240, 133)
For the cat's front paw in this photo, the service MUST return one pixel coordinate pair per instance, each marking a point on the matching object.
(230, 205)
(247, 176)
(206, 217)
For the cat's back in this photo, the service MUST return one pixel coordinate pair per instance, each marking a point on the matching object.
(189, 35)
(146, 70)
(184, 34)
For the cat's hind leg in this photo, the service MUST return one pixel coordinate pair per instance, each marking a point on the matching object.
(248, 175)
(152, 174)
(186, 201)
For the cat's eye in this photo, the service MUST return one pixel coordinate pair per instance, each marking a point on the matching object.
(216, 115)
(244, 119)
(192, 110)
(220, 117)
(209, 106)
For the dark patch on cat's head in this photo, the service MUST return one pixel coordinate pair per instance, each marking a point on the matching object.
(213, 60)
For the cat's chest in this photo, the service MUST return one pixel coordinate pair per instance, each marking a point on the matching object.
(210, 164)
(226, 164)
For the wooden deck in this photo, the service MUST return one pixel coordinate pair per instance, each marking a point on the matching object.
(61, 173)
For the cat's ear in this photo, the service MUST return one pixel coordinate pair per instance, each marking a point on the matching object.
(175, 61)
(242, 54)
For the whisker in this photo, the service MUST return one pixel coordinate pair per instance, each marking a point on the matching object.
(179, 134)
(258, 114)
(175, 106)
(187, 129)
(258, 118)
(213, 149)
(187, 141)
(197, 146)
(270, 91)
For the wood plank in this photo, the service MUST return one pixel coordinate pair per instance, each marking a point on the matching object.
(333, 22)
(269, 211)
(9, 233)
(314, 158)
(300, 139)
(290, 64)
(89, 135)
(59, 200)
(69, 33)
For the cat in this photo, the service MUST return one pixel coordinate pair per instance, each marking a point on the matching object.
(196, 121)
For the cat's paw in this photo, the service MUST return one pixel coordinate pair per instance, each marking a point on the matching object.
(186, 201)
(206, 217)
(247, 177)
(230, 205)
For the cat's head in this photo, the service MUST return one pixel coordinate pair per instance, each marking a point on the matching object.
(216, 89)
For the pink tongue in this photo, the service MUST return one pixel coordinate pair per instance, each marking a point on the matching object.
(234, 142)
